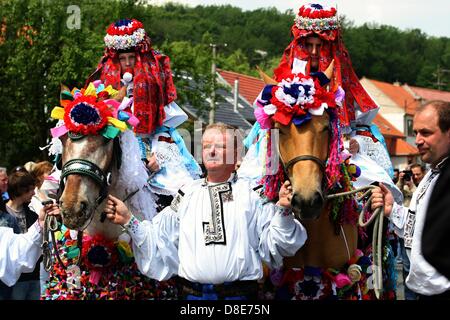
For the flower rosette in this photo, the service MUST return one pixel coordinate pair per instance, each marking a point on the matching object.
(85, 115)
(296, 98)
(93, 110)
(99, 253)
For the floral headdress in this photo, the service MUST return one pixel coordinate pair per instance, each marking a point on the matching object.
(295, 98)
(92, 111)
(153, 86)
(318, 17)
(321, 21)
(125, 34)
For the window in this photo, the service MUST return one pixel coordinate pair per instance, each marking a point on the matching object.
(409, 128)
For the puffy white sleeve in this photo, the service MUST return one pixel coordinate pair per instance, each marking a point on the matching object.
(280, 235)
(155, 244)
(18, 252)
(398, 216)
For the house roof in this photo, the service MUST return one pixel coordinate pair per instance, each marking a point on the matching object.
(224, 111)
(249, 87)
(399, 95)
(431, 94)
(386, 128)
(403, 148)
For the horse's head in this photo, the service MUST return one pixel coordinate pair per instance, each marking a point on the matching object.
(304, 151)
(86, 162)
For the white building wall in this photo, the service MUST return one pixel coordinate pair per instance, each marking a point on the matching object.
(388, 108)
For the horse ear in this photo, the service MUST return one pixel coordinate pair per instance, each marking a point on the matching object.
(120, 94)
(329, 72)
(64, 88)
(265, 77)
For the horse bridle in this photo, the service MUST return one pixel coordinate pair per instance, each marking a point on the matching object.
(322, 166)
(293, 161)
(86, 168)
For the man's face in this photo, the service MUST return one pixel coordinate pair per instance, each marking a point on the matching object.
(3, 182)
(313, 45)
(127, 60)
(433, 144)
(218, 151)
(417, 175)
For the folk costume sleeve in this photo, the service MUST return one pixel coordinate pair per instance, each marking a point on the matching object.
(155, 243)
(280, 235)
(18, 252)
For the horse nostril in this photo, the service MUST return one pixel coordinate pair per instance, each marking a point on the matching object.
(317, 200)
(296, 201)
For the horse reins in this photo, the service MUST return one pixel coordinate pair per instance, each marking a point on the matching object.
(377, 235)
(85, 168)
(377, 216)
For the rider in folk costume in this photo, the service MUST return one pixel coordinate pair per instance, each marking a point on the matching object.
(317, 50)
(144, 74)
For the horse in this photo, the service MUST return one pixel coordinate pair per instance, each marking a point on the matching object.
(332, 262)
(94, 258)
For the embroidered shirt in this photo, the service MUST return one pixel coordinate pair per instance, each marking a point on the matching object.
(214, 234)
(423, 278)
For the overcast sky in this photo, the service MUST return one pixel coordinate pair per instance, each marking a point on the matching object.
(430, 16)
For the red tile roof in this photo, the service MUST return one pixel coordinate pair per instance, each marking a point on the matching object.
(403, 148)
(386, 128)
(399, 95)
(249, 87)
(431, 94)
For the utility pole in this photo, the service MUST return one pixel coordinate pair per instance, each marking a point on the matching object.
(438, 75)
(212, 110)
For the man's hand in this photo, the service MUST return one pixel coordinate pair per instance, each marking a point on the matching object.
(116, 211)
(51, 209)
(285, 195)
(152, 164)
(382, 196)
(353, 146)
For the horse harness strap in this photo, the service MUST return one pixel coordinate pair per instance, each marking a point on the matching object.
(305, 158)
(86, 168)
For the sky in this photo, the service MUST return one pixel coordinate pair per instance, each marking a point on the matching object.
(430, 16)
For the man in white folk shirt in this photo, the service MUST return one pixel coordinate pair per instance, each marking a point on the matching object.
(432, 128)
(217, 232)
(20, 252)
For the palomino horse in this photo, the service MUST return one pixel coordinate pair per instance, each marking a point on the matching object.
(310, 153)
(98, 263)
(304, 152)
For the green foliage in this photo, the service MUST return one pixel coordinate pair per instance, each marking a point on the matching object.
(35, 61)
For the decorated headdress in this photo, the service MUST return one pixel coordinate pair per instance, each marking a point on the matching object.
(153, 86)
(127, 34)
(296, 98)
(321, 21)
(92, 111)
(317, 18)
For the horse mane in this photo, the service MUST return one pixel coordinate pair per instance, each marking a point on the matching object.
(133, 175)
